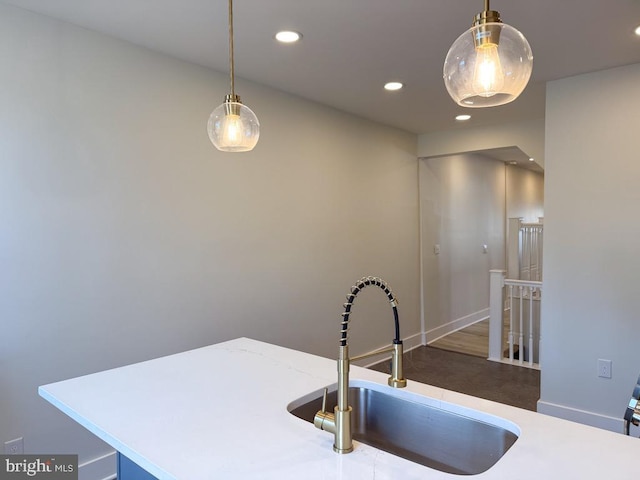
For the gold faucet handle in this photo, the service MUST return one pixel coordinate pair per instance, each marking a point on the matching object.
(324, 400)
(323, 419)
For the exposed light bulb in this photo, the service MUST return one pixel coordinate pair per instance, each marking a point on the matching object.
(232, 130)
(233, 127)
(488, 65)
(488, 76)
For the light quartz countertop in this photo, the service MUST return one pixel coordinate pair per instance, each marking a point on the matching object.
(221, 412)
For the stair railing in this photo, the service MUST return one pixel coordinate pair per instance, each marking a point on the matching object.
(514, 304)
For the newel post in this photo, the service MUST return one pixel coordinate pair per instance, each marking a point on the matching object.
(496, 312)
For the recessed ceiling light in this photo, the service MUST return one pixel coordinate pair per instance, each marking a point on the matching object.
(637, 30)
(463, 118)
(288, 36)
(513, 162)
(393, 86)
(531, 159)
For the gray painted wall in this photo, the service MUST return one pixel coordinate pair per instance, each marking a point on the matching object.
(124, 235)
(461, 209)
(591, 302)
(524, 192)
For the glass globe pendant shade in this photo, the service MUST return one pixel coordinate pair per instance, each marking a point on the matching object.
(488, 65)
(233, 127)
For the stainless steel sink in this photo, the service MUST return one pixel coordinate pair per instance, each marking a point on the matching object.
(444, 440)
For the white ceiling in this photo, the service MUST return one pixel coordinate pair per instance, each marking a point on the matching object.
(352, 47)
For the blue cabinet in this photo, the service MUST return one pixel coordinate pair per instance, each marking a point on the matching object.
(128, 470)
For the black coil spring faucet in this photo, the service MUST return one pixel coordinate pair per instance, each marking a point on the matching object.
(339, 422)
(357, 288)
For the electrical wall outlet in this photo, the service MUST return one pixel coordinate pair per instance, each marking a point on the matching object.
(14, 447)
(604, 368)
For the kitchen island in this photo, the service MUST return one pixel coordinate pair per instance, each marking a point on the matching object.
(222, 412)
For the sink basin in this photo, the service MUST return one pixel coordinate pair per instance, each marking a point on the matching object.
(447, 440)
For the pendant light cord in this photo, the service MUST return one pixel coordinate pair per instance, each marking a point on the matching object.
(231, 72)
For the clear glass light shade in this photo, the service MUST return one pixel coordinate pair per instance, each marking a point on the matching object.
(233, 127)
(488, 65)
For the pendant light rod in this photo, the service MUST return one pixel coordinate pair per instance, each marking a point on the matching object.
(231, 69)
(487, 16)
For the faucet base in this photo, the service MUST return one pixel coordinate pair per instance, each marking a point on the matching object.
(343, 440)
(343, 450)
(397, 382)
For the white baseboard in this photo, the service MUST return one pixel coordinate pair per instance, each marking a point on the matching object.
(99, 468)
(455, 325)
(414, 341)
(408, 343)
(593, 419)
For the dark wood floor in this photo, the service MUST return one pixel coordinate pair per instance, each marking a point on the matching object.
(472, 375)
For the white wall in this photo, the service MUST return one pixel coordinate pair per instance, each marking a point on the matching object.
(124, 235)
(462, 199)
(524, 193)
(591, 304)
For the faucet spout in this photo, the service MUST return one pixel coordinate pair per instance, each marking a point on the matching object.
(339, 422)
(357, 288)
(397, 379)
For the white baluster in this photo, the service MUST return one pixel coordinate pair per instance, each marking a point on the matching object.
(531, 290)
(539, 326)
(521, 332)
(534, 254)
(511, 323)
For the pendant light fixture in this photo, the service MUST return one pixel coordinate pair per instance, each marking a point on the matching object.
(489, 64)
(232, 126)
